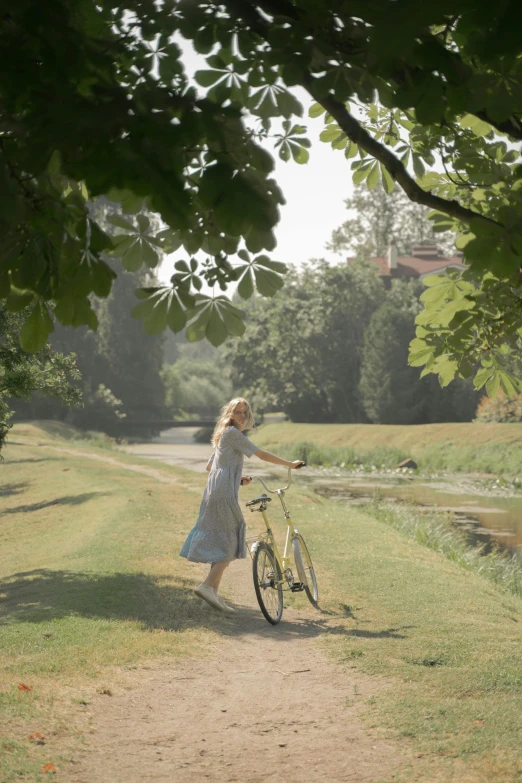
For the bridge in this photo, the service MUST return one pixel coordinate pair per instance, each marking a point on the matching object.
(165, 424)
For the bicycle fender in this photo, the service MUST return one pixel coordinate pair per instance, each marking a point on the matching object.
(254, 547)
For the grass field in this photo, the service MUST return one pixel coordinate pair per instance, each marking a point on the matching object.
(489, 448)
(92, 590)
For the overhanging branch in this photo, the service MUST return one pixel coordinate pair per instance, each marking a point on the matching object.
(355, 131)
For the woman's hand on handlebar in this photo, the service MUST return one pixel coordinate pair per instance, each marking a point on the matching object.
(298, 463)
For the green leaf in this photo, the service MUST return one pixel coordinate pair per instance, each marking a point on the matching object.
(36, 328)
(18, 300)
(156, 321)
(268, 283)
(418, 166)
(479, 127)
(149, 255)
(388, 182)
(120, 222)
(245, 288)
(176, 315)
(208, 78)
(299, 153)
(216, 332)
(196, 330)
(493, 385)
(447, 370)
(352, 150)
(132, 259)
(373, 176)
(233, 321)
(360, 175)
(316, 110)
(482, 376)
(143, 223)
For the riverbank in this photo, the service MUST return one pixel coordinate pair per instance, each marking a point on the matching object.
(94, 598)
(466, 447)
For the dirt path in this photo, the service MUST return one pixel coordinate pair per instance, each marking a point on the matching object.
(266, 704)
(143, 469)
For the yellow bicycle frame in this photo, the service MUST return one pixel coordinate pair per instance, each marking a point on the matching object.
(285, 560)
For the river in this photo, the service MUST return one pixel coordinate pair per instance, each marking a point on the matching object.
(488, 514)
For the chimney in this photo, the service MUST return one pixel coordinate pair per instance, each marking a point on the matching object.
(391, 255)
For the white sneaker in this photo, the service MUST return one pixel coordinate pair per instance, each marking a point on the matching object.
(208, 594)
(226, 608)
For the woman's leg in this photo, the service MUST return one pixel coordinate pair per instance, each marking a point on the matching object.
(216, 572)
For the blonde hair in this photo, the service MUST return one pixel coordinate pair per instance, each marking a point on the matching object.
(226, 418)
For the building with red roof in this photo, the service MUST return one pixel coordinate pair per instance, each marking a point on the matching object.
(424, 260)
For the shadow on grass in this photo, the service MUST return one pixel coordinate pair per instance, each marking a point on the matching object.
(9, 461)
(13, 489)
(155, 602)
(67, 500)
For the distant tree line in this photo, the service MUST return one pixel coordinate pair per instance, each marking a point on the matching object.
(334, 348)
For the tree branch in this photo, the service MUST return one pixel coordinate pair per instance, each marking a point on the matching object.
(355, 131)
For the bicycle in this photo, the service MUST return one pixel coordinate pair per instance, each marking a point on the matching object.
(273, 573)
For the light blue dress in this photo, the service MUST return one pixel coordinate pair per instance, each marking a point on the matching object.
(219, 533)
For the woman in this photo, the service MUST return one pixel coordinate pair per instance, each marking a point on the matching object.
(219, 534)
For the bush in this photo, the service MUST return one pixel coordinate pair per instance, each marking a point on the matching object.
(203, 435)
(500, 408)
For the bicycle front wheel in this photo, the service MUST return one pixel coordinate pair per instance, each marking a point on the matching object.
(305, 568)
(267, 583)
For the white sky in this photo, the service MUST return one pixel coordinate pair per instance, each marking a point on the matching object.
(314, 193)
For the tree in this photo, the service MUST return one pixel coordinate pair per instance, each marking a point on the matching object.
(391, 391)
(378, 217)
(302, 352)
(402, 86)
(389, 387)
(133, 359)
(199, 388)
(22, 373)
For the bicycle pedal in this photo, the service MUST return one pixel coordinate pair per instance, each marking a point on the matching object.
(297, 587)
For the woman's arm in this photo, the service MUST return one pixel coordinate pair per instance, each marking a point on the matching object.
(209, 464)
(266, 456)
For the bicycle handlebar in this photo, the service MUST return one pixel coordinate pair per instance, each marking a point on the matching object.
(281, 489)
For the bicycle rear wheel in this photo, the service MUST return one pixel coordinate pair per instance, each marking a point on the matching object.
(305, 568)
(267, 583)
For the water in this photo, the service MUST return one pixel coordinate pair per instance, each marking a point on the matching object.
(485, 517)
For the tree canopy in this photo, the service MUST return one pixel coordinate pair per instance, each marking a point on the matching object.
(97, 102)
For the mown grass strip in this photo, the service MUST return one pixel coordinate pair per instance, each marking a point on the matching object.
(468, 447)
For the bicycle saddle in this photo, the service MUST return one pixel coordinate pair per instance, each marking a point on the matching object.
(261, 499)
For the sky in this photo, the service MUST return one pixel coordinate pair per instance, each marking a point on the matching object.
(314, 192)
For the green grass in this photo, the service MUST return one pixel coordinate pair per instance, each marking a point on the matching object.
(92, 589)
(447, 641)
(469, 447)
(437, 531)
